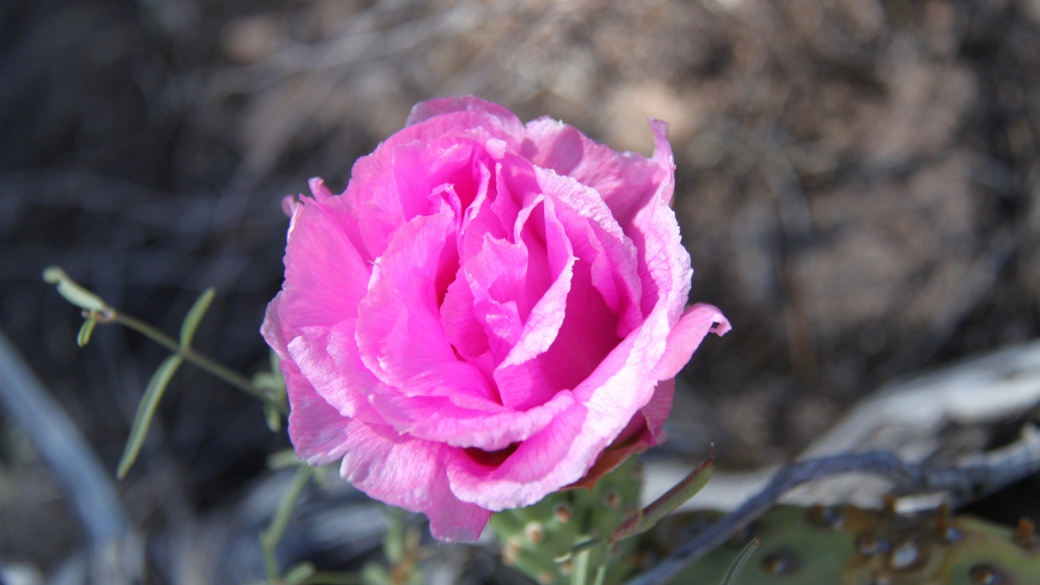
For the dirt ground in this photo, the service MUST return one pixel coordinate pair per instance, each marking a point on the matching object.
(857, 186)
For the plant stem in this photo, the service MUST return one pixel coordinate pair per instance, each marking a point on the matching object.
(269, 538)
(217, 369)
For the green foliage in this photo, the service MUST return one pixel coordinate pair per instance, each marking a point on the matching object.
(648, 517)
(146, 411)
(85, 331)
(194, 316)
(72, 291)
(160, 379)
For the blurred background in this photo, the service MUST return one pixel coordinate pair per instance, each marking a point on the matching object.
(856, 184)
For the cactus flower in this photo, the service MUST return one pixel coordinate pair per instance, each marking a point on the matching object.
(491, 312)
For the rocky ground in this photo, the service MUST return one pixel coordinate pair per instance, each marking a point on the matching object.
(857, 187)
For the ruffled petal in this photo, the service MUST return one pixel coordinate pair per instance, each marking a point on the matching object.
(585, 336)
(626, 181)
(317, 430)
(538, 466)
(325, 275)
(598, 239)
(399, 332)
(485, 426)
(329, 360)
(410, 473)
(502, 119)
(696, 322)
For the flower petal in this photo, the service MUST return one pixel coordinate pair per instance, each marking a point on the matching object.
(410, 473)
(540, 465)
(325, 275)
(329, 360)
(626, 181)
(486, 426)
(500, 118)
(399, 332)
(317, 430)
(696, 322)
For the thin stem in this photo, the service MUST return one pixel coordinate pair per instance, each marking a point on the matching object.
(215, 368)
(269, 538)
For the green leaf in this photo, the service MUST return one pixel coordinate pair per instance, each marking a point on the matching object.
(146, 410)
(73, 292)
(273, 417)
(646, 518)
(275, 360)
(298, 573)
(283, 458)
(375, 574)
(739, 562)
(393, 541)
(286, 506)
(85, 330)
(194, 316)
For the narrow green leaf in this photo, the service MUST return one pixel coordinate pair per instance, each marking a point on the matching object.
(283, 458)
(739, 562)
(73, 292)
(146, 410)
(265, 381)
(393, 541)
(298, 573)
(194, 316)
(85, 330)
(275, 360)
(321, 475)
(267, 546)
(285, 509)
(274, 418)
(601, 574)
(375, 574)
(646, 518)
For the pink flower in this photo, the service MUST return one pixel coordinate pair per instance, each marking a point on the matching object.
(490, 312)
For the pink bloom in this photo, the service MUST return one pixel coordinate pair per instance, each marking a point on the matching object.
(490, 312)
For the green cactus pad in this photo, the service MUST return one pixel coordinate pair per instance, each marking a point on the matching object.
(851, 546)
(533, 538)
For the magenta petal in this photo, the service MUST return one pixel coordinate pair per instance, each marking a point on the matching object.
(598, 239)
(555, 457)
(583, 339)
(317, 430)
(664, 159)
(404, 343)
(696, 322)
(410, 473)
(541, 326)
(487, 427)
(330, 362)
(657, 410)
(325, 277)
(506, 121)
(461, 327)
(272, 330)
(627, 182)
